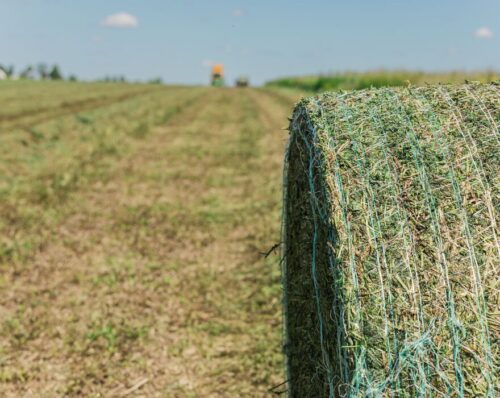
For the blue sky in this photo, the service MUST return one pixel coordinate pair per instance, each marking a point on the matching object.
(178, 39)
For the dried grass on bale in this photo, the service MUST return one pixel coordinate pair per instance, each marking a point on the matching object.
(391, 243)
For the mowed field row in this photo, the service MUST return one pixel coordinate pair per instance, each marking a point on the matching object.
(131, 235)
(31, 103)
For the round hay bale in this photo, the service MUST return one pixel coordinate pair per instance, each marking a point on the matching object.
(391, 243)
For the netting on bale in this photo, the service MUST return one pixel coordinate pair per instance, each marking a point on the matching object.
(391, 258)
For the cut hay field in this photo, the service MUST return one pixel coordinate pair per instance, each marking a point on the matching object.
(133, 219)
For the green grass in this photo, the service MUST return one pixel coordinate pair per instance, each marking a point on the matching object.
(43, 165)
(375, 79)
(45, 97)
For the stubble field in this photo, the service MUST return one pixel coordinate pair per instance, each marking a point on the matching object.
(133, 222)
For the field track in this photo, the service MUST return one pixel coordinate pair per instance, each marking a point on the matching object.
(131, 252)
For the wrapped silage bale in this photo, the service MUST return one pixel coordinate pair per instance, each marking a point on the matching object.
(391, 251)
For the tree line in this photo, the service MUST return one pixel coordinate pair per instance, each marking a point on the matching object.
(43, 71)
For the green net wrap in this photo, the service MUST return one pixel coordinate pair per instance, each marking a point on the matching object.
(391, 260)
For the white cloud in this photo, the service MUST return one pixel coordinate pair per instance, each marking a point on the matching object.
(483, 33)
(120, 20)
(238, 12)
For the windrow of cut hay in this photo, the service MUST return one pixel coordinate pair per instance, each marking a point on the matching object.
(391, 235)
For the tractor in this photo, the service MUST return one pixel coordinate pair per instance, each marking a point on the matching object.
(242, 81)
(217, 78)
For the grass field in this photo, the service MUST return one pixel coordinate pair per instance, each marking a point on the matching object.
(132, 224)
(362, 80)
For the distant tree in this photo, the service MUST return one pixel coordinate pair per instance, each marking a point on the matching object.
(27, 73)
(55, 73)
(72, 78)
(157, 80)
(8, 70)
(113, 79)
(43, 71)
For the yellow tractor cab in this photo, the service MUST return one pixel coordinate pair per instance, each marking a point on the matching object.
(217, 78)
